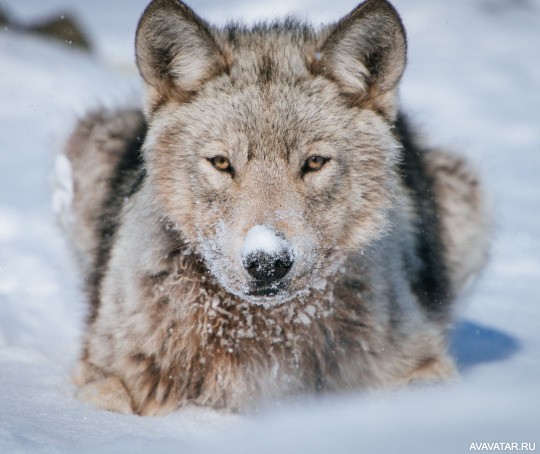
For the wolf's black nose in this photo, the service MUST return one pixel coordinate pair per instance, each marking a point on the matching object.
(268, 268)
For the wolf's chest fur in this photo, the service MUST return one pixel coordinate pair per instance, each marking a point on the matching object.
(269, 226)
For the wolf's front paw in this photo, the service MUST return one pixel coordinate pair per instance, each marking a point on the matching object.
(433, 370)
(108, 393)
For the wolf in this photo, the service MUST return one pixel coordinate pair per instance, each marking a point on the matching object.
(267, 225)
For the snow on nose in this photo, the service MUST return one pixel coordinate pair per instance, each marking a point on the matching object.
(266, 256)
(262, 239)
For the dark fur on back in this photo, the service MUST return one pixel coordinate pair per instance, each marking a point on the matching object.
(431, 282)
(126, 180)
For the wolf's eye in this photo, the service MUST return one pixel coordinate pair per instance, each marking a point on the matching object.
(314, 163)
(221, 163)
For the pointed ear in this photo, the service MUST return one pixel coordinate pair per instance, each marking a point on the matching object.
(175, 52)
(365, 54)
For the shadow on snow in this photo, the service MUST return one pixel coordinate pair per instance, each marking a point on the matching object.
(472, 344)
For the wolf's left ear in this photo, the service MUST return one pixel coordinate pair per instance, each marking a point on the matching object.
(175, 52)
(365, 54)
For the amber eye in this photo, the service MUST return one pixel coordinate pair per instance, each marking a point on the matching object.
(221, 163)
(314, 163)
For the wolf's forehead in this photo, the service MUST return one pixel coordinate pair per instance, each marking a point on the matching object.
(262, 120)
(269, 52)
(277, 120)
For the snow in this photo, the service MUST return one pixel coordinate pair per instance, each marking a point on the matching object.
(473, 83)
(262, 239)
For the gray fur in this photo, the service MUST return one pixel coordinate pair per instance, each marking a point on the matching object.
(174, 316)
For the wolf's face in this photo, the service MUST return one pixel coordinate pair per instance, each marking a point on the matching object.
(265, 152)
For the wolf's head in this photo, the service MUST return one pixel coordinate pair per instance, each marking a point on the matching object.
(270, 148)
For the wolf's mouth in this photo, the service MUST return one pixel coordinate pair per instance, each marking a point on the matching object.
(268, 291)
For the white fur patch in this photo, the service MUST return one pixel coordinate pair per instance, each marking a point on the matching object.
(63, 188)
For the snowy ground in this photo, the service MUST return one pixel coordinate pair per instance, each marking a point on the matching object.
(473, 83)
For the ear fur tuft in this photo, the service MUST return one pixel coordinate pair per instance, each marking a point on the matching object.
(365, 53)
(175, 52)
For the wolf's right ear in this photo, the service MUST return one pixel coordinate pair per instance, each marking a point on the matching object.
(175, 52)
